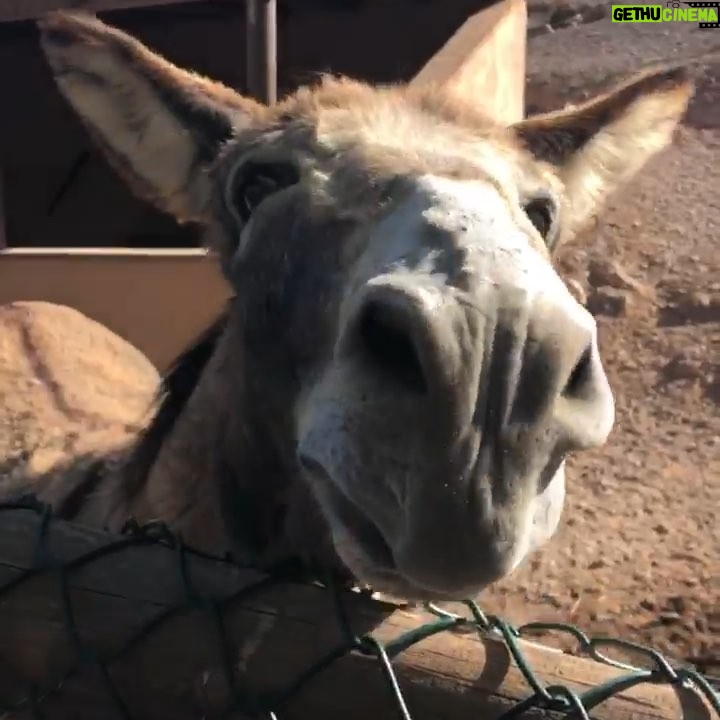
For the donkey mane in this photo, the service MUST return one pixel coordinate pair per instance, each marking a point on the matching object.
(176, 387)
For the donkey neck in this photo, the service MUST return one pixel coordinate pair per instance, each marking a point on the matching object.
(224, 475)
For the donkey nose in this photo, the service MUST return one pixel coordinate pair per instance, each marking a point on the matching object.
(548, 363)
(388, 334)
(585, 410)
(561, 377)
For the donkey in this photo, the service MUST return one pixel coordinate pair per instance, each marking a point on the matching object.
(400, 375)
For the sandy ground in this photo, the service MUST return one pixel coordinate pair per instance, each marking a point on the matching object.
(638, 552)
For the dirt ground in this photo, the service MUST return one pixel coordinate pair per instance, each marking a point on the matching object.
(638, 551)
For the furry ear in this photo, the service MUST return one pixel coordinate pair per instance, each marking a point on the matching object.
(601, 144)
(160, 127)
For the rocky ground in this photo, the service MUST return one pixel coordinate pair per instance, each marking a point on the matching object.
(638, 552)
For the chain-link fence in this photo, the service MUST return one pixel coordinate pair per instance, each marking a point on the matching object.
(653, 669)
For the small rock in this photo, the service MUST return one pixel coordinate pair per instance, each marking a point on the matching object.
(701, 299)
(647, 604)
(577, 290)
(562, 16)
(661, 529)
(684, 366)
(595, 13)
(678, 603)
(609, 273)
(701, 624)
(608, 301)
(551, 600)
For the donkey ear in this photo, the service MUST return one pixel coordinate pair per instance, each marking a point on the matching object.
(601, 144)
(159, 127)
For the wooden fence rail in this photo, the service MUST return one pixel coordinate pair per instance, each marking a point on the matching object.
(273, 632)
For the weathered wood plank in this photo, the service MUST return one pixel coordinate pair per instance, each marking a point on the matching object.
(261, 49)
(275, 634)
(3, 229)
(14, 10)
(158, 300)
(485, 59)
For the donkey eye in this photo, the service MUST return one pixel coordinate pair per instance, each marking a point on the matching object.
(542, 215)
(254, 181)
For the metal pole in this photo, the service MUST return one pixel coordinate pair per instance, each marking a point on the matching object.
(3, 228)
(261, 49)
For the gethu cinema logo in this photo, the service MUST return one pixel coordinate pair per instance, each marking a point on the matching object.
(705, 13)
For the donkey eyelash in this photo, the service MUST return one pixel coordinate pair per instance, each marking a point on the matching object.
(265, 177)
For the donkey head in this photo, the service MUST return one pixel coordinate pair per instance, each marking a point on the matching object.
(391, 252)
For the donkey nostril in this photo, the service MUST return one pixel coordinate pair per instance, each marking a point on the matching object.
(387, 344)
(580, 376)
(310, 465)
